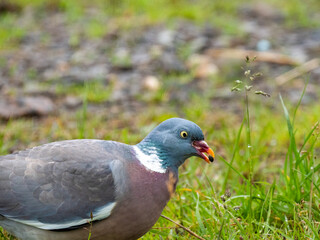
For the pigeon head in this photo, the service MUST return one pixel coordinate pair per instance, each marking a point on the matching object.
(172, 142)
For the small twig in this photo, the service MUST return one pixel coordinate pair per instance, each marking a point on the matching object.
(234, 53)
(298, 71)
(184, 228)
(161, 228)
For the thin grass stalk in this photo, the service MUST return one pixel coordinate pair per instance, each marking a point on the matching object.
(235, 149)
(311, 189)
(83, 114)
(293, 157)
(248, 150)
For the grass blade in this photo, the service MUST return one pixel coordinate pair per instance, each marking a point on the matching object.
(235, 149)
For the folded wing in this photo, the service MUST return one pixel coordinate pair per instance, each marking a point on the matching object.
(59, 185)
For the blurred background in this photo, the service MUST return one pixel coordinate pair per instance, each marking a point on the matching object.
(113, 69)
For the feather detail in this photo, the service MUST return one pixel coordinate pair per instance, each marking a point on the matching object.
(151, 160)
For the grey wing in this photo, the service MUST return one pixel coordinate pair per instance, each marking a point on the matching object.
(59, 185)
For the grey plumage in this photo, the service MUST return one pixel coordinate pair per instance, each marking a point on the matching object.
(53, 191)
(57, 182)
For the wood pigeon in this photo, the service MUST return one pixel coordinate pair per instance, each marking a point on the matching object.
(64, 190)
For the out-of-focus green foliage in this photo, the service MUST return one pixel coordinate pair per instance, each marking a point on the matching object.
(125, 13)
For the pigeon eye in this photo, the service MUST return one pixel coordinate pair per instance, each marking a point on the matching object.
(183, 134)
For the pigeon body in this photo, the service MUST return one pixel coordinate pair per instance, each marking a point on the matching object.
(64, 190)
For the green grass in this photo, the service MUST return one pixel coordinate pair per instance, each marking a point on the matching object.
(98, 17)
(94, 91)
(267, 191)
(280, 202)
(10, 33)
(215, 201)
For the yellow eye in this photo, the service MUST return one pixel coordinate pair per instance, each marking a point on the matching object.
(184, 134)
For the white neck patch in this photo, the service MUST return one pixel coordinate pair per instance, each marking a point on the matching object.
(151, 161)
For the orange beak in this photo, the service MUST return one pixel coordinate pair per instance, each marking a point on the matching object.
(202, 147)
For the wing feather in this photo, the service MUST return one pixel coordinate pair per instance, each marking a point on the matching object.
(59, 185)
